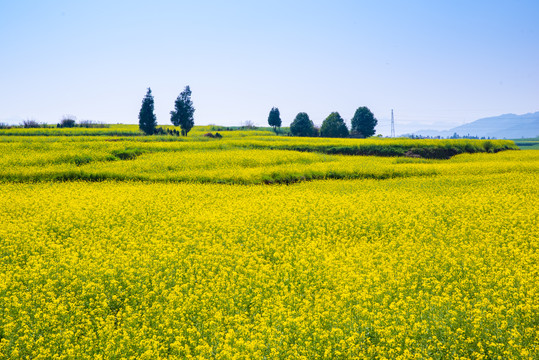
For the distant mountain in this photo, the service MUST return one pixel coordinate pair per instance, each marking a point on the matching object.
(508, 126)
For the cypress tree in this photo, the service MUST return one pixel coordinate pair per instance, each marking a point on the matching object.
(183, 112)
(146, 117)
(274, 118)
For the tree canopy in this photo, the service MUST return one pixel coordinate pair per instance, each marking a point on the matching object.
(183, 112)
(146, 116)
(302, 125)
(364, 122)
(334, 126)
(274, 118)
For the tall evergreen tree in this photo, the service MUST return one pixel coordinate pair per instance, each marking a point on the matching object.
(146, 117)
(363, 122)
(302, 125)
(274, 118)
(183, 112)
(334, 126)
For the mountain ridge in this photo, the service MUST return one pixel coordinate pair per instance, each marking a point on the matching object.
(505, 126)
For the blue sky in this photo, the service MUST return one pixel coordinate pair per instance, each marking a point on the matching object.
(438, 64)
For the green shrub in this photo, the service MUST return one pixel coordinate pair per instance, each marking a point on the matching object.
(128, 154)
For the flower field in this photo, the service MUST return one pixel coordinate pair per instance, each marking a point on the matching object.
(181, 249)
(239, 158)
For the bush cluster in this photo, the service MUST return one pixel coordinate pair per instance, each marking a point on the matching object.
(70, 121)
(161, 131)
(216, 136)
(67, 122)
(30, 123)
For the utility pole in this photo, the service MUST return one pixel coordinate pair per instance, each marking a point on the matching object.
(392, 125)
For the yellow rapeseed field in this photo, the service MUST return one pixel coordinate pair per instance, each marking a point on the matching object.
(410, 259)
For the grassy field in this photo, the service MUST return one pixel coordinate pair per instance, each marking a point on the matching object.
(117, 247)
(528, 144)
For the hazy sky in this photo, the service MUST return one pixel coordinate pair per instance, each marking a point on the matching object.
(438, 64)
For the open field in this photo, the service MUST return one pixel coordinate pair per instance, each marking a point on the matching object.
(528, 144)
(140, 248)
